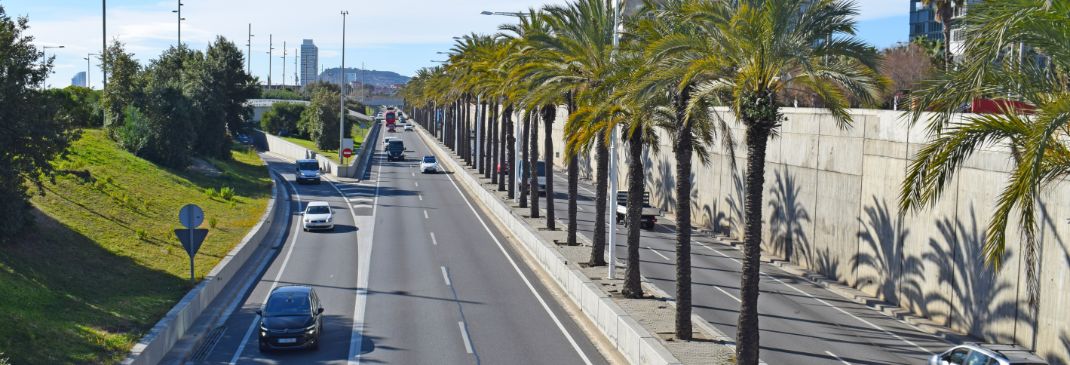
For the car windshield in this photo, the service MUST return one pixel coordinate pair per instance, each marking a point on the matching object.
(287, 304)
(540, 169)
(318, 209)
(429, 159)
(307, 165)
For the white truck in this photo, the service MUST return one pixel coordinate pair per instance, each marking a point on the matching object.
(649, 214)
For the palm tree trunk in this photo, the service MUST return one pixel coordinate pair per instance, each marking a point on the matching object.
(632, 282)
(510, 150)
(502, 141)
(946, 25)
(549, 113)
(601, 186)
(533, 179)
(573, 185)
(496, 146)
(747, 328)
(683, 152)
(482, 140)
(524, 157)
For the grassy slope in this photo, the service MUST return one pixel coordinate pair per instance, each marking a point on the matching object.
(102, 265)
(359, 131)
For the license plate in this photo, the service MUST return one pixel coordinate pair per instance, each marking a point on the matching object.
(287, 340)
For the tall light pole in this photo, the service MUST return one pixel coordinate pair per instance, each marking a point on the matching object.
(342, 94)
(104, 41)
(283, 63)
(87, 67)
(271, 47)
(249, 51)
(180, 19)
(516, 126)
(611, 222)
(46, 48)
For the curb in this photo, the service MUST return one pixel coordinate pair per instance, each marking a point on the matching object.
(634, 342)
(157, 343)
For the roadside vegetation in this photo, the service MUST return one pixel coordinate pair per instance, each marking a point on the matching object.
(676, 59)
(101, 264)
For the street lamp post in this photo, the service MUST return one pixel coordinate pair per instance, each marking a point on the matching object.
(271, 47)
(249, 51)
(104, 41)
(45, 49)
(283, 63)
(342, 94)
(87, 67)
(180, 19)
(611, 222)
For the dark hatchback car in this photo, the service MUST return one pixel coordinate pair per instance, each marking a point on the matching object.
(291, 319)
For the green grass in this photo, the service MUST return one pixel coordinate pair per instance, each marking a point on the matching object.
(102, 264)
(358, 133)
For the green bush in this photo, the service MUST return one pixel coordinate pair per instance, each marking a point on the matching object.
(212, 221)
(141, 235)
(226, 193)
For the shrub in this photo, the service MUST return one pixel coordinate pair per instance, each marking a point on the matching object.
(226, 193)
(212, 221)
(141, 235)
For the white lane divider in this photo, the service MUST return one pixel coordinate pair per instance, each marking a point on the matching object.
(728, 294)
(464, 336)
(827, 304)
(658, 253)
(433, 240)
(417, 183)
(445, 276)
(837, 357)
(421, 197)
(425, 214)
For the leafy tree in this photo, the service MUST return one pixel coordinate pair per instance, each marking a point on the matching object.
(124, 86)
(320, 119)
(77, 106)
(944, 10)
(161, 126)
(905, 66)
(230, 84)
(282, 94)
(282, 117)
(30, 138)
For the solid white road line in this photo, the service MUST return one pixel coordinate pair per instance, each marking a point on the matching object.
(433, 240)
(421, 197)
(464, 336)
(445, 276)
(356, 340)
(837, 357)
(523, 277)
(827, 304)
(425, 214)
(728, 294)
(658, 253)
(278, 276)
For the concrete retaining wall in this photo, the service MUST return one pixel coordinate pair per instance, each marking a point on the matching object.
(830, 206)
(155, 345)
(633, 341)
(292, 151)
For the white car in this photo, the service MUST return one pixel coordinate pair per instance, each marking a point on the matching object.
(408, 128)
(317, 215)
(429, 165)
(988, 354)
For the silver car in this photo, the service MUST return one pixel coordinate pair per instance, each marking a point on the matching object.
(986, 354)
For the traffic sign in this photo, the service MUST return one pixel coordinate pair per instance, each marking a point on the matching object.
(347, 153)
(191, 239)
(191, 216)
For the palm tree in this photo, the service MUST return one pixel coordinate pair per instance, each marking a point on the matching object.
(944, 11)
(1038, 142)
(763, 47)
(672, 43)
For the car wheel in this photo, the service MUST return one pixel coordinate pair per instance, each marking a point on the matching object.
(264, 348)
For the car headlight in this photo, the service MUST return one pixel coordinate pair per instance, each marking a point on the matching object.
(329, 219)
(311, 330)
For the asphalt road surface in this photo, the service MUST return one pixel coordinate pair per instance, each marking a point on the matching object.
(413, 273)
(801, 323)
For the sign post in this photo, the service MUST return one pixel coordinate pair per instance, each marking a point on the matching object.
(191, 216)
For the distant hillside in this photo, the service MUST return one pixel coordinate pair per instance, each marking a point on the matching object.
(370, 77)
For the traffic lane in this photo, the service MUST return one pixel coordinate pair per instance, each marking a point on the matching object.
(318, 259)
(483, 277)
(410, 317)
(883, 338)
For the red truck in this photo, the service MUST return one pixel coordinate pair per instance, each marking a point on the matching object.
(391, 120)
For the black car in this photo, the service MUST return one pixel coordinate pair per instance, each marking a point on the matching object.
(292, 318)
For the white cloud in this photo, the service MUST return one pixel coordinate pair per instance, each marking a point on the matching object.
(875, 9)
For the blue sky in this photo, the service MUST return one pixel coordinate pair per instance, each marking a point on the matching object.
(399, 35)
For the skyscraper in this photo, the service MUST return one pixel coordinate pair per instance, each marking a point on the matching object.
(79, 79)
(309, 62)
(923, 22)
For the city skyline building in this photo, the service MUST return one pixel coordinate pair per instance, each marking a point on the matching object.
(309, 62)
(79, 79)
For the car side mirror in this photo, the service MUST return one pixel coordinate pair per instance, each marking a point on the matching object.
(319, 311)
(259, 312)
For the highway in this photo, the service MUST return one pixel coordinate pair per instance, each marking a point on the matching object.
(801, 323)
(413, 273)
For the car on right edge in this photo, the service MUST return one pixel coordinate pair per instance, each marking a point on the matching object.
(986, 354)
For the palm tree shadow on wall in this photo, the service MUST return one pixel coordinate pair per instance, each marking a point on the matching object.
(787, 217)
(663, 191)
(735, 206)
(884, 235)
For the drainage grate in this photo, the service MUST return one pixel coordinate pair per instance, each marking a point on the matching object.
(206, 347)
